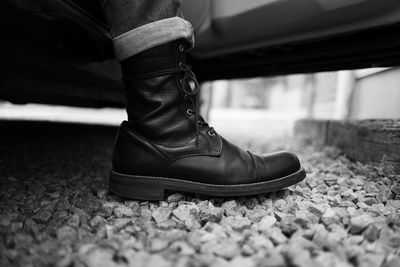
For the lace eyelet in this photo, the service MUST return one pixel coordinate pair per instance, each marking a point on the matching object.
(181, 48)
(180, 65)
(210, 133)
(181, 81)
(189, 112)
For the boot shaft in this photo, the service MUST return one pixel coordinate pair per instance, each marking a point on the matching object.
(157, 105)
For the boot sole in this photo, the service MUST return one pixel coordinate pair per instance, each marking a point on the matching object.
(153, 188)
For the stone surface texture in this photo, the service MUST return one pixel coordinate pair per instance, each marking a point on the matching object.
(55, 210)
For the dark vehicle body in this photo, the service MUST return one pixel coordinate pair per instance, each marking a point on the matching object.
(60, 51)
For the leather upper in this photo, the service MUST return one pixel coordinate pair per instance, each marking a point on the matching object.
(162, 138)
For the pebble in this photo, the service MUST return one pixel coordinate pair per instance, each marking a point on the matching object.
(99, 258)
(265, 224)
(317, 210)
(240, 261)
(230, 208)
(238, 222)
(288, 225)
(273, 259)
(276, 236)
(42, 216)
(97, 221)
(359, 223)
(4, 220)
(209, 213)
(182, 248)
(369, 260)
(123, 211)
(329, 217)
(66, 233)
(158, 244)
(174, 198)
(371, 233)
(226, 249)
(161, 215)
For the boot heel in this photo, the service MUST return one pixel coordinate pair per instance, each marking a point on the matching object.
(130, 188)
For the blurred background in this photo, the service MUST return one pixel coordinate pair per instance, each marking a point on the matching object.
(261, 107)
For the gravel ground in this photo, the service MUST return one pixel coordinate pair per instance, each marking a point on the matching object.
(55, 210)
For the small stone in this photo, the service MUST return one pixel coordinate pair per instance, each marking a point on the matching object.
(329, 217)
(369, 201)
(74, 221)
(209, 213)
(265, 224)
(145, 214)
(4, 220)
(393, 203)
(298, 256)
(273, 259)
(238, 222)
(371, 233)
(217, 262)
(226, 249)
(230, 207)
(175, 197)
(392, 261)
(123, 211)
(98, 258)
(156, 260)
(320, 236)
(359, 223)
(389, 237)
(369, 260)
(240, 261)
(97, 221)
(280, 204)
(247, 250)
(396, 189)
(109, 207)
(158, 244)
(260, 242)
(384, 194)
(186, 213)
(42, 216)
(370, 187)
(276, 236)
(302, 219)
(121, 223)
(317, 210)
(161, 214)
(16, 226)
(99, 190)
(66, 233)
(134, 205)
(288, 225)
(167, 224)
(325, 259)
(393, 219)
(256, 214)
(183, 248)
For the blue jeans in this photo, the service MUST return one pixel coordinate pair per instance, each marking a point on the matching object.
(138, 25)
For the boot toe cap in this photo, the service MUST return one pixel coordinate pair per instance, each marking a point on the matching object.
(277, 165)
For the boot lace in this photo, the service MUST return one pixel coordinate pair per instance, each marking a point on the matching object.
(191, 88)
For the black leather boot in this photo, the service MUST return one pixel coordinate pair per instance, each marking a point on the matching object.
(166, 144)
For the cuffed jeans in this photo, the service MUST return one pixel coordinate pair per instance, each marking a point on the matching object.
(138, 25)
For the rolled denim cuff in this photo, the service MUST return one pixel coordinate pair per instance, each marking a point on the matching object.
(151, 35)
